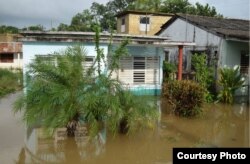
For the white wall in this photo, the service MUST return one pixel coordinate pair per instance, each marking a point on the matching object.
(30, 49)
(180, 30)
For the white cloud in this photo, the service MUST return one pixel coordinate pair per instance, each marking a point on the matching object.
(229, 8)
(30, 12)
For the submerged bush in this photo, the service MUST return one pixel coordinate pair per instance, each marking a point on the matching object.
(169, 70)
(203, 75)
(185, 96)
(9, 81)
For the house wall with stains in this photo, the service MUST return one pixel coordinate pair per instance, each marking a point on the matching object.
(150, 57)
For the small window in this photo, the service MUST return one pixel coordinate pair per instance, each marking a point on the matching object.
(7, 58)
(139, 70)
(123, 21)
(144, 20)
(244, 63)
(144, 23)
(123, 25)
(89, 61)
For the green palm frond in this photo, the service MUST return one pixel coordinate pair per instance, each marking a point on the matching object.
(230, 81)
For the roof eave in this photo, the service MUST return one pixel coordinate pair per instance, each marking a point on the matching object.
(89, 37)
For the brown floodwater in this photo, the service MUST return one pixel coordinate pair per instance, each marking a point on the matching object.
(218, 126)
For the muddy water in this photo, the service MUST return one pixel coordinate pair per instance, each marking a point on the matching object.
(11, 131)
(218, 126)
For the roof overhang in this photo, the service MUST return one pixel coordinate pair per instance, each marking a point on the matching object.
(126, 12)
(237, 40)
(105, 38)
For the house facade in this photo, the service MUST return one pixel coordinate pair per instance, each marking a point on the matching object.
(140, 72)
(10, 52)
(224, 41)
(140, 23)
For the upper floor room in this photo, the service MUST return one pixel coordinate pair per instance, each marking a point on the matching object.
(140, 22)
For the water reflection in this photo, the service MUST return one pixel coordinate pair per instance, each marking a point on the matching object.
(219, 126)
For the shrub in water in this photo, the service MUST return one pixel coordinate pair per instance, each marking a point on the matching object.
(9, 81)
(185, 96)
(230, 81)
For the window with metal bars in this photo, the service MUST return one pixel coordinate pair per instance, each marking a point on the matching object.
(139, 70)
(244, 63)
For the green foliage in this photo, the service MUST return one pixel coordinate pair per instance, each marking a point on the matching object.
(205, 10)
(203, 74)
(183, 6)
(175, 6)
(146, 5)
(34, 28)
(168, 70)
(9, 81)
(8, 29)
(185, 96)
(120, 5)
(105, 14)
(82, 22)
(63, 27)
(65, 94)
(230, 81)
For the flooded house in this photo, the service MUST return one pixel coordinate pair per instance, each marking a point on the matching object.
(10, 51)
(140, 72)
(224, 41)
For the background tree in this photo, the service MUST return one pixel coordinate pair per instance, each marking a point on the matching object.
(120, 5)
(82, 21)
(203, 10)
(8, 29)
(63, 27)
(105, 14)
(183, 6)
(34, 28)
(146, 5)
(175, 6)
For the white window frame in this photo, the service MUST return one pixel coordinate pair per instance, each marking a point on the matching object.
(123, 24)
(144, 24)
(139, 70)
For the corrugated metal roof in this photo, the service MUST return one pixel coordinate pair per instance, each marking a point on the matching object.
(227, 28)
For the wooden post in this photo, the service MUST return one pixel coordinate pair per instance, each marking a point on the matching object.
(180, 62)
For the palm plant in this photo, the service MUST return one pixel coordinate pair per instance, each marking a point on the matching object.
(54, 91)
(230, 81)
(61, 93)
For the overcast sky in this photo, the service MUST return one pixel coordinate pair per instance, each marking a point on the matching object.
(21, 13)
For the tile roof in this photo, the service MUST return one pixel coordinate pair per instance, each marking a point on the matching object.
(227, 28)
